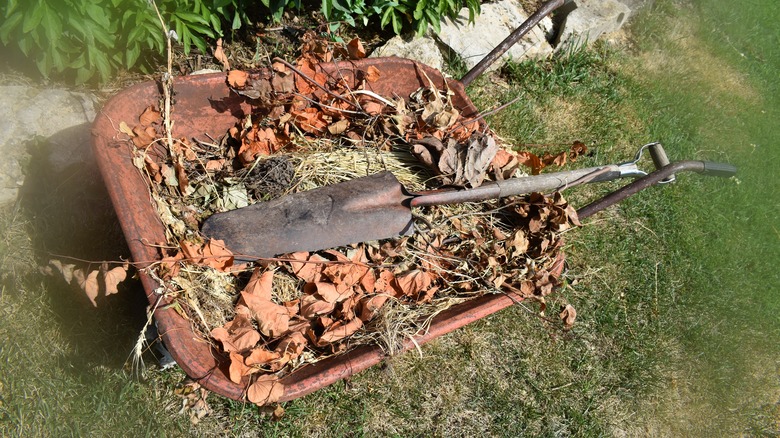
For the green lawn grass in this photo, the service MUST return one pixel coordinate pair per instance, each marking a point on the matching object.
(676, 288)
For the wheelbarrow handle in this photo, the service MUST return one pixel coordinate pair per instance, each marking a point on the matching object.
(708, 168)
(510, 40)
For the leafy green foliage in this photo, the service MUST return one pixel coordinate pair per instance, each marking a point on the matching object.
(278, 7)
(91, 39)
(82, 38)
(400, 14)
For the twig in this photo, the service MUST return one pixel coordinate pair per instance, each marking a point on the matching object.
(167, 80)
(315, 83)
(488, 113)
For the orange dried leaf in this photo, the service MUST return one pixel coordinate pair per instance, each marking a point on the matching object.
(372, 74)
(324, 290)
(219, 54)
(373, 108)
(345, 276)
(531, 160)
(265, 390)
(216, 255)
(236, 335)
(412, 283)
(312, 306)
(215, 165)
(307, 269)
(261, 356)
(272, 319)
(293, 345)
(306, 66)
(369, 306)
(149, 116)
(142, 139)
(368, 282)
(237, 368)
(237, 78)
(260, 284)
(355, 49)
(279, 67)
(339, 331)
(577, 148)
(338, 127)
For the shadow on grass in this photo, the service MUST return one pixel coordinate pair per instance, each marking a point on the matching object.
(69, 217)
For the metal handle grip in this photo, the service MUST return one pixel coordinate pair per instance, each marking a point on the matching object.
(658, 154)
(723, 170)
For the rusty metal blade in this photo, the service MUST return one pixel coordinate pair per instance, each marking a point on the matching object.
(368, 208)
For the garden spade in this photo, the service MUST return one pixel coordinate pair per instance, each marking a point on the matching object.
(368, 208)
(379, 206)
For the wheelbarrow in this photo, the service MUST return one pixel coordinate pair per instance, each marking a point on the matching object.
(205, 105)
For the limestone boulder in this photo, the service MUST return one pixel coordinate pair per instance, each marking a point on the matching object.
(421, 49)
(55, 122)
(589, 20)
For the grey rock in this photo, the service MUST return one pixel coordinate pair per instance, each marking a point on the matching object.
(496, 21)
(420, 49)
(205, 71)
(590, 20)
(636, 6)
(54, 121)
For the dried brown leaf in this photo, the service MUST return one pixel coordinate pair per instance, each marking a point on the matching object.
(339, 331)
(149, 117)
(312, 306)
(369, 306)
(237, 78)
(113, 277)
(91, 286)
(261, 356)
(216, 255)
(65, 269)
(125, 129)
(326, 291)
(531, 160)
(272, 319)
(236, 337)
(338, 127)
(220, 55)
(260, 284)
(308, 267)
(412, 283)
(238, 368)
(355, 49)
(266, 389)
(373, 74)
(568, 315)
(292, 346)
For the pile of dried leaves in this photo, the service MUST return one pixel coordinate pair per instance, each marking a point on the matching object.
(272, 316)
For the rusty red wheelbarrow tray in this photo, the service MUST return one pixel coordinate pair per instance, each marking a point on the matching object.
(205, 105)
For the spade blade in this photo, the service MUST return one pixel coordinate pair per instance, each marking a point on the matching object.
(368, 208)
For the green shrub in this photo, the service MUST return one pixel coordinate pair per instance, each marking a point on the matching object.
(400, 14)
(79, 38)
(92, 39)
